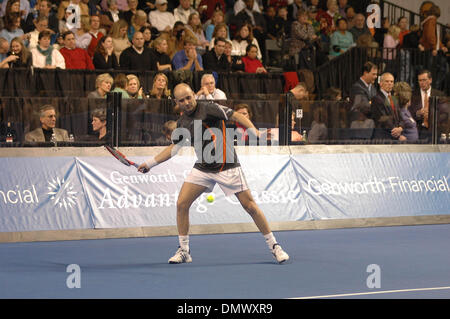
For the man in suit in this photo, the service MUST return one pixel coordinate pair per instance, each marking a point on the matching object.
(44, 133)
(385, 111)
(420, 103)
(362, 92)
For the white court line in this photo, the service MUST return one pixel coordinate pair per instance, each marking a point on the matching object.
(373, 293)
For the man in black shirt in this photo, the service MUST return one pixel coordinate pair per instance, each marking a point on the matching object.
(217, 163)
(137, 57)
(215, 59)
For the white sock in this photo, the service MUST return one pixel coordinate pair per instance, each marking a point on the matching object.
(184, 242)
(270, 240)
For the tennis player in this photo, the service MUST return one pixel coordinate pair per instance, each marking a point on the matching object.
(205, 174)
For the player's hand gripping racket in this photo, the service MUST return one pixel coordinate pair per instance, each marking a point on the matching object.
(122, 158)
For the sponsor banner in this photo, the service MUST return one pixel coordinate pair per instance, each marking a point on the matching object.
(42, 194)
(122, 197)
(374, 185)
(57, 193)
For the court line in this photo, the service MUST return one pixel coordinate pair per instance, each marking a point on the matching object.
(373, 293)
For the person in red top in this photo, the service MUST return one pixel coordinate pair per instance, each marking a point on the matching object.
(95, 34)
(251, 62)
(76, 58)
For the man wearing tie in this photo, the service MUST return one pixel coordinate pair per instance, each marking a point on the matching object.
(420, 104)
(362, 91)
(385, 111)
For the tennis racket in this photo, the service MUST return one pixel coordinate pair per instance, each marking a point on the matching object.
(122, 158)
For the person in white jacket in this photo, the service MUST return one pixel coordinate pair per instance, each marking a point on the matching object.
(45, 56)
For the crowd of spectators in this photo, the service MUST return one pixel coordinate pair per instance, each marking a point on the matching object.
(210, 36)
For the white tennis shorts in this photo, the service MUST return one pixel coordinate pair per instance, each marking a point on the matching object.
(231, 181)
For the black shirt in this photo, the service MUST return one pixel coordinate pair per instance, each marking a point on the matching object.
(130, 59)
(47, 134)
(214, 153)
(213, 63)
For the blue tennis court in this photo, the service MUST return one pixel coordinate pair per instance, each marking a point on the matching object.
(413, 262)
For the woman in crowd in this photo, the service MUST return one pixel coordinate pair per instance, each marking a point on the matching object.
(138, 21)
(44, 55)
(403, 92)
(120, 85)
(390, 43)
(104, 57)
(234, 61)
(217, 18)
(195, 28)
(119, 37)
(159, 50)
(103, 85)
(302, 33)
(147, 34)
(220, 31)
(244, 37)
(99, 125)
(13, 30)
(82, 35)
(341, 40)
(251, 61)
(134, 88)
(160, 88)
(22, 57)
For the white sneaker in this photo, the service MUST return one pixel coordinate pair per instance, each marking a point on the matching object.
(181, 256)
(279, 254)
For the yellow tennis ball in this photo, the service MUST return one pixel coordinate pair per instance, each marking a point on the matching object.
(210, 198)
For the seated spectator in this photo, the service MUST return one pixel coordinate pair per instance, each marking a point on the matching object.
(362, 121)
(77, 8)
(319, 130)
(44, 9)
(13, 30)
(95, 33)
(134, 88)
(216, 60)
(283, 20)
(82, 36)
(166, 138)
(99, 125)
(295, 134)
(104, 57)
(160, 89)
(207, 8)
(360, 27)
(217, 18)
(208, 90)
(195, 29)
(240, 5)
(243, 38)
(183, 11)
(385, 111)
(119, 36)
(350, 16)
(403, 92)
(331, 15)
(121, 84)
(402, 23)
(188, 59)
(4, 49)
(302, 34)
(128, 14)
(138, 21)
(251, 62)
(47, 117)
(41, 24)
(110, 15)
(341, 40)
(234, 62)
(159, 51)
(44, 55)
(103, 84)
(367, 41)
(24, 58)
(255, 20)
(137, 57)
(343, 5)
(160, 18)
(273, 28)
(147, 33)
(75, 58)
(244, 109)
(220, 31)
(175, 39)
